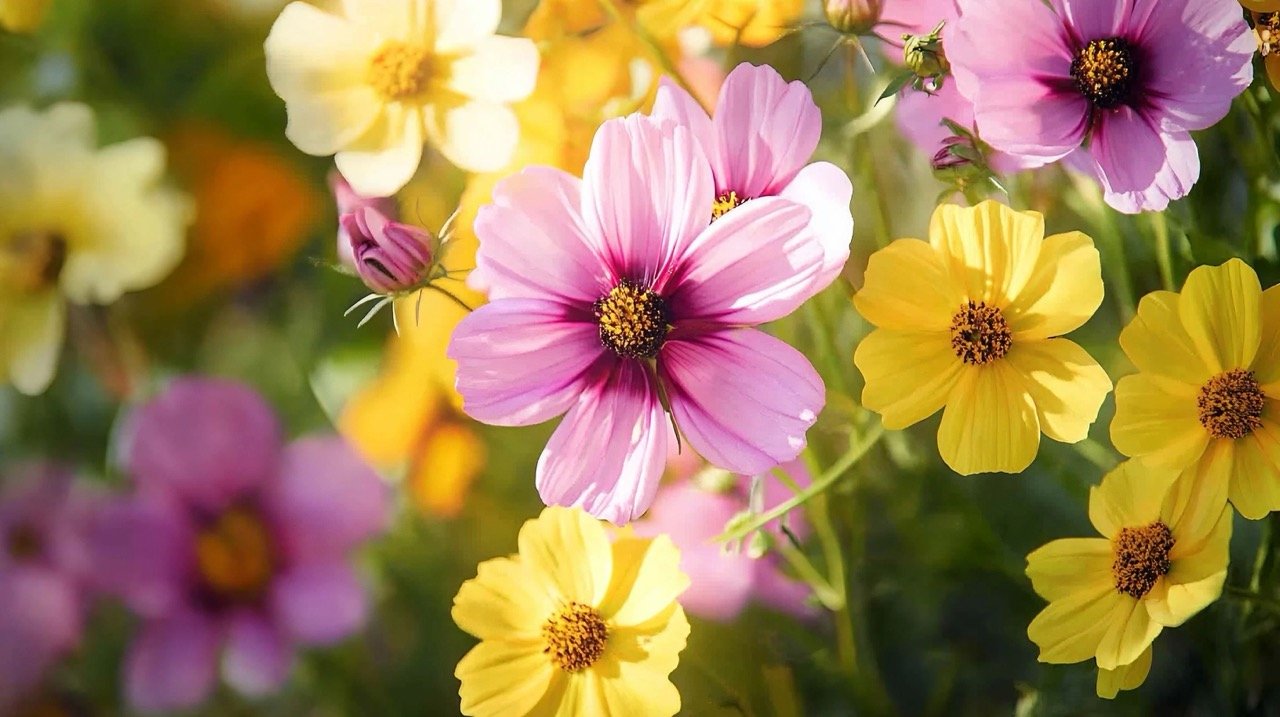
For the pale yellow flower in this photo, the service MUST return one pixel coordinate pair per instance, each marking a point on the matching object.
(78, 224)
(372, 84)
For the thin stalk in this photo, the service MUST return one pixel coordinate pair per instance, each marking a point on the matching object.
(1164, 258)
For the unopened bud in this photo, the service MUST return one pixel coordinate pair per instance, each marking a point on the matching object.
(349, 201)
(923, 55)
(389, 257)
(951, 157)
(853, 17)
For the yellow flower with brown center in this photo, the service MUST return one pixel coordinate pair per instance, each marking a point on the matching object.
(1162, 558)
(970, 321)
(573, 624)
(1207, 391)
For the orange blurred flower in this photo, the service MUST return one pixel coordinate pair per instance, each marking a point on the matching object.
(1265, 17)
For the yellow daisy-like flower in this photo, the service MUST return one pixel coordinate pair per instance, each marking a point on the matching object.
(1162, 558)
(968, 321)
(78, 224)
(1207, 391)
(368, 86)
(573, 625)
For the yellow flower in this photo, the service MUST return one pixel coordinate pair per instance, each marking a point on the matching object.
(77, 224)
(754, 23)
(23, 15)
(367, 86)
(1207, 391)
(1162, 558)
(573, 625)
(968, 321)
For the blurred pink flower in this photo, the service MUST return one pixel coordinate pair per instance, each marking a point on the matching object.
(234, 544)
(348, 200)
(722, 583)
(42, 592)
(758, 142)
(912, 17)
(1115, 86)
(605, 288)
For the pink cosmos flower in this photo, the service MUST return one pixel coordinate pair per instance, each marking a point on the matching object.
(42, 562)
(721, 583)
(234, 546)
(1115, 86)
(759, 141)
(612, 293)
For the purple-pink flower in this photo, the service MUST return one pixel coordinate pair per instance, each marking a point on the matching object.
(42, 561)
(235, 548)
(389, 257)
(347, 201)
(1114, 86)
(617, 292)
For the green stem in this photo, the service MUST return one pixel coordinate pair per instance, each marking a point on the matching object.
(1164, 257)
(1118, 263)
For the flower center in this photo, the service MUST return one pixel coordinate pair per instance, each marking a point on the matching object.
(1104, 71)
(724, 203)
(575, 636)
(1142, 558)
(400, 71)
(24, 542)
(1267, 29)
(1231, 404)
(32, 261)
(234, 555)
(633, 320)
(979, 334)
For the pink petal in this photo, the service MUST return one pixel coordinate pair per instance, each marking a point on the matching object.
(533, 244)
(1141, 168)
(777, 493)
(206, 440)
(607, 455)
(40, 620)
(755, 264)
(326, 500)
(767, 129)
(826, 190)
(912, 17)
(674, 104)
(783, 593)
(1093, 19)
(141, 550)
(172, 663)
(647, 193)
(920, 115)
(257, 660)
(523, 361)
(742, 398)
(318, 603)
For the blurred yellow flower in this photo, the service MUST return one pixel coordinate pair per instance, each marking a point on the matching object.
(368, 85)
(1207, 391)
(968, 322)
(78, 224)
(1162, 558)
(573, 625)
(1265, 17)
(23, 15)
(754, 23)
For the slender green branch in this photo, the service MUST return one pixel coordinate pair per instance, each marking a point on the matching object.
(1163, 256)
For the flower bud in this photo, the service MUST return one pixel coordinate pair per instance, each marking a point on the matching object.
(389, 257)
(349, 201)
(923, 55)
(853, 17)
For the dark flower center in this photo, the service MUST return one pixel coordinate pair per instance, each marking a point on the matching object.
(725, 202)
(575, 637)
(1105, 72)
(1142, 558)
(234, 556)
(1266, 27)
(24, 542)
(1230, 404)
(980, 334)
(633, 320)
(32, 261)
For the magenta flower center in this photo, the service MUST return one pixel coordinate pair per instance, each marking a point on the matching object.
(575, 636)
(724, 203)
(400, 71)
(1105, 72)
(1142, 558)
(633, 320)
(1230, 404)
(234, 555)
(32, 261)
(980, 334)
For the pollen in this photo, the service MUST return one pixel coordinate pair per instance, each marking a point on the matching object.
(576, 636)
(234, 556)
(724, 203)
(400, 71)
(980, 334)
(1105, 72)
(1142, 558)
(1230, 404)
(633, 320)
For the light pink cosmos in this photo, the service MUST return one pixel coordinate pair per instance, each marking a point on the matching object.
(759, 141)
(217, 486)
(1182, 62)
(557, 253)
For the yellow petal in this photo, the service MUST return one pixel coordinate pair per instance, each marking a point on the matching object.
(1193, 508)
(1063, 292)
(1070, 630)
(23, 15)
(753, 23)
(1221, 309)
(1255, 471)
(634, 672)
(386, 156)
(501, 678)
(1156, 342)
(475, 135)
(1066, 384)
(1195, 577)
(990, 422)
(1266, 365)
(990, 250)
(907, 288)
(506, 600)
(1156, 420)
(449, 459)
(31, 332)
(646, 580)
(386, 418)
(1125, 677)
(1132, 494)
(498, 69)
(1071, 565)
(571, 548)
(463, 23)
(909, 376)
(1130, 631)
